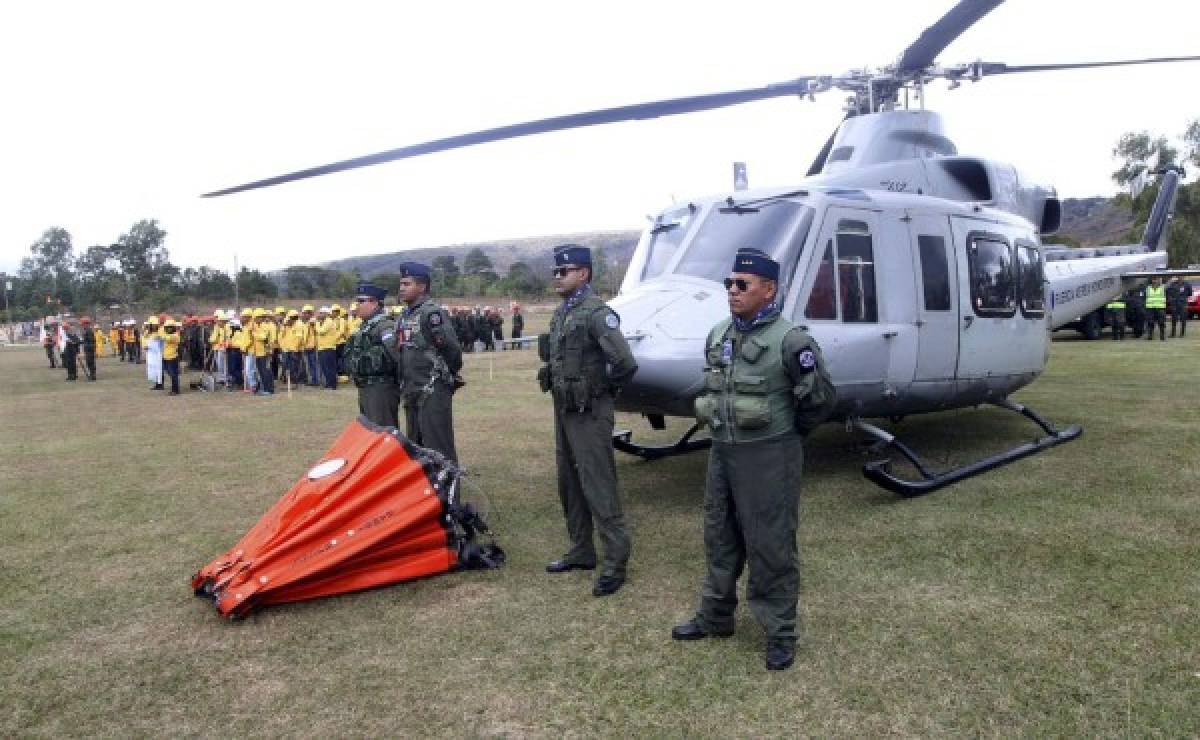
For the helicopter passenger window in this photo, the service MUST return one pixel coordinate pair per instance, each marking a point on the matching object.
(1033, 292)
(935, 273)
(820, 300)
(993, 276)
(856, 272)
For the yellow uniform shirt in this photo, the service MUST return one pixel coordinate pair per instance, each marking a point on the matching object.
(352, 326)
(239, 339)
(310, 334)
(327, 334)
(218, 337)
(290, 336)
(263, 335)
(341, 324)
(170, 345)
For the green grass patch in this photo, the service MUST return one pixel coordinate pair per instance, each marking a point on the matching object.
(1053, 597)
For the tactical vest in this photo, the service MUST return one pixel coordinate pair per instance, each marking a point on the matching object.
(577, 364)
(423, 366)
(747, 392)
(367, 360)
(1156, 297)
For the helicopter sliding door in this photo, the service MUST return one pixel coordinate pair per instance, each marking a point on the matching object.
(936, 269)
(1003, 339)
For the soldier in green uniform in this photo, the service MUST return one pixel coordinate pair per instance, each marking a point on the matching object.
(88, 335)
(373, 360)
(587, 360)
(762, 378)
(432, 360)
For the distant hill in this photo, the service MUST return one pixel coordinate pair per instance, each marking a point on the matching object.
(534, 251)
(1095, 220)
(1090, 221)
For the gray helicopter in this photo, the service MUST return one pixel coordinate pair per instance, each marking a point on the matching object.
(919, 271)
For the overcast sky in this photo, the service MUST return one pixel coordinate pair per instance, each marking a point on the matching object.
(118, 111)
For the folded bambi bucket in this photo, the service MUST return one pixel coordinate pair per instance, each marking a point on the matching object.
(375, 510)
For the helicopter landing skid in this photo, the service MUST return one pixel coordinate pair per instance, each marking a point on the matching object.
(623, 441)
(879, 473)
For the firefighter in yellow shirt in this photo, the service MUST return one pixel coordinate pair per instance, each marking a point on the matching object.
(263, 337)
(326, 330)
(339, 320)
(170, 353)
(291, 338)
(352, 322)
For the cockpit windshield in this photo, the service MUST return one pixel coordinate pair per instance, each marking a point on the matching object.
(777, 228)
(665, 237)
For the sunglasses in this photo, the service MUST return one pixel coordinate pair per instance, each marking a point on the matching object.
(741, 283)
(562, 271)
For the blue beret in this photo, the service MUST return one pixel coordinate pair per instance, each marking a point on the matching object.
(414, 270)
(371, 291)
(756, 262)
(572, 255)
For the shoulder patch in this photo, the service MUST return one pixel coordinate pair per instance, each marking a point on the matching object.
(612, 321)
(806, 359)
(435, 318)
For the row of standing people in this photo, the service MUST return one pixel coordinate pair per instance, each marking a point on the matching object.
(762, 376)
(484, 324)
(1144, 309)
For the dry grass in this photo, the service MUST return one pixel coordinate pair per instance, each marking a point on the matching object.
(1054, 597)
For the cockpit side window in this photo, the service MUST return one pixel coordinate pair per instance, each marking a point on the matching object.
(856, 272)
(821, 302)
(665, 237)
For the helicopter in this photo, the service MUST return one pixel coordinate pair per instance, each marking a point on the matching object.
(920, 271)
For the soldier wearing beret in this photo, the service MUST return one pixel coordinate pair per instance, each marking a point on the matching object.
(587, 360)
(373, 360)
(432, 360)
(762, 377)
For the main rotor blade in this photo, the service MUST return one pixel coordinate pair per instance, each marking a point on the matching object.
(639, 111)
(923, 52)
(998, 68)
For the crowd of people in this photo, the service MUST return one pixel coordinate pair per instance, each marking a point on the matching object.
(250, 351)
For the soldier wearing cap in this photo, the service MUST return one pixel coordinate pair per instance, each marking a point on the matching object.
(751, 500)
(518, 321)
(88, 337)
(373, 359)
(431, 361)
(587, 360)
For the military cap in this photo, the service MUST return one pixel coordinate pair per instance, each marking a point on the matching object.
(572, 255)
(370, 290)
(755, 262)
(414, 270)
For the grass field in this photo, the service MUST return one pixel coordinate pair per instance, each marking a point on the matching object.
(1057, 596)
